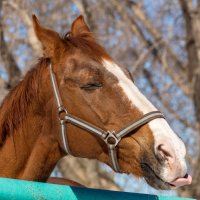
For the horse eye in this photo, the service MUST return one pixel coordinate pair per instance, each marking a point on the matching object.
(91, 86)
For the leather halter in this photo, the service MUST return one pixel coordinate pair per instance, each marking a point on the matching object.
(109, 137)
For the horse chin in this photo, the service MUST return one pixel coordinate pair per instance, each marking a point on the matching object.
(153, 179)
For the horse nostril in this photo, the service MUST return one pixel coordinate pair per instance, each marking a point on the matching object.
(186, 175)
(165, 152)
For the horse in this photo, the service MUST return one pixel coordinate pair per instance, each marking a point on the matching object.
(77, 100)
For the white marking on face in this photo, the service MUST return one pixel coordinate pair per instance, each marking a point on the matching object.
(161, 130)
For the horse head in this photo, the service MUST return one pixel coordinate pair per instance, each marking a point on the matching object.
(100, 92)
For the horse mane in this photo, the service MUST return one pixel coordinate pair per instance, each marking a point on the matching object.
(14, 107)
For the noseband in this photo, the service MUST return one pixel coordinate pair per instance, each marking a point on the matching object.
(111, 138)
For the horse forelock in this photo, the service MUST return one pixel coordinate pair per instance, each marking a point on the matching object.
(88, 43)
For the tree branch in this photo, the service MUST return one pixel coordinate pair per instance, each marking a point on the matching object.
(132, 23)
(25, 17)
(7, 57)
(165, 103)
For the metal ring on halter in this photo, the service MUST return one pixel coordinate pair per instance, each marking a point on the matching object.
(61, 110)
(111, 139)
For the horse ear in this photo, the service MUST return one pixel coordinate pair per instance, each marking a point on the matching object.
(79, 26)
(48, 38)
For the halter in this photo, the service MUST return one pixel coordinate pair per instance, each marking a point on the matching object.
(111, 138)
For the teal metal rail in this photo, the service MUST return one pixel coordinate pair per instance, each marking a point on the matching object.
(12, 189)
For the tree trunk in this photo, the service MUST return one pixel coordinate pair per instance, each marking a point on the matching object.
(192, 25)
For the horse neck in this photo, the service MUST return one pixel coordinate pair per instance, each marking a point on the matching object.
(28, 147)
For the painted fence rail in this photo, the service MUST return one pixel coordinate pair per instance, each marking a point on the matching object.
(12, 189)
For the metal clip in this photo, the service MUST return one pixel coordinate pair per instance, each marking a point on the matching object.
(111, 139)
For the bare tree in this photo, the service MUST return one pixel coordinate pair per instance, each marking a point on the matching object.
(159, 41)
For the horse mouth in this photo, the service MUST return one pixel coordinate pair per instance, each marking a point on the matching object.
(154, 180)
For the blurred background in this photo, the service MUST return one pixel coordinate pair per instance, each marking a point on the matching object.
(158, 40)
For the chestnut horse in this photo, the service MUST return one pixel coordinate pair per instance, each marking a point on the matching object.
(64, 104)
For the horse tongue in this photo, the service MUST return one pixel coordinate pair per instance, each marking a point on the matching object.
(186, 180)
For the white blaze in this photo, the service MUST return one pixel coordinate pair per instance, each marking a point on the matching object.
(161, 131)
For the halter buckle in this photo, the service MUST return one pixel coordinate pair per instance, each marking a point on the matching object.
(111, 139)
